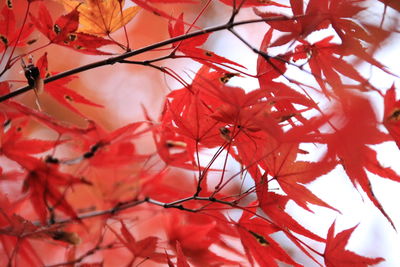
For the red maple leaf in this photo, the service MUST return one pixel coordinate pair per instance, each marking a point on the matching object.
(292, 175)
(195, 234)
(269, 68)
(12, 227)
(274, 206)
(145, 248)
(59, 91)
(18, 110)
(391, 115)
(325, 60)
(46, 185)
(348, 143)
(319, 14)
(18, 149)
(190, 47)
(255, 234)
(181, 259)
(10, 35)
(113, 148)
(42, 180)
(336, 254)
(63, 32)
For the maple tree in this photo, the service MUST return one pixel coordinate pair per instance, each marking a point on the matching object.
(207, 177)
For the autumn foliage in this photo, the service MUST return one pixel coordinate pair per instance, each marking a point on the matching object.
(208, 177)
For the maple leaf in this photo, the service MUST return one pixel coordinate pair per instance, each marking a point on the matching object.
(190, 47)
(99, 17)
(59, 91)
(349, 144)
(291, 175)
(295, 28)
(391, 115)
(172, 148)
(319, 14)
(42, 180)
(232, 105)
(66, 96)
(336, 254)
(193, 121)
(147, 5)
(361, 40)
(181, 261)
(11, 226)
(269, 68)
(10, 35)
(187, 123)
(283, 96)
(42, 183)
(353, 33)
(255, 237)
(110, 149)
(144, 248)
(196, 233)
(274, 206)
(323, 61)
(305, 23)
(59, 127)
(64, 32)
(18, 149)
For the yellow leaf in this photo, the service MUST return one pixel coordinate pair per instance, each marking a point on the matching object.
(101, 17)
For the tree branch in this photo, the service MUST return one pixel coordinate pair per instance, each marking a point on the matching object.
(117, 59)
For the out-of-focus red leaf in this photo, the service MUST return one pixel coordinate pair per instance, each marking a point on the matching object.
(50, 122)
(148, 5)
(269, 68)
(358, 128)
(196, 233)
(42, 64)
(66, 96)
(169, 261)
(181, 259)
(104, 149)
(10, 35)
(12, 227)
(391, 118)
(43, 182)
(18, 149)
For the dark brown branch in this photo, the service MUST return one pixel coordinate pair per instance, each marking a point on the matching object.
(178, 204)
(117, 59)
